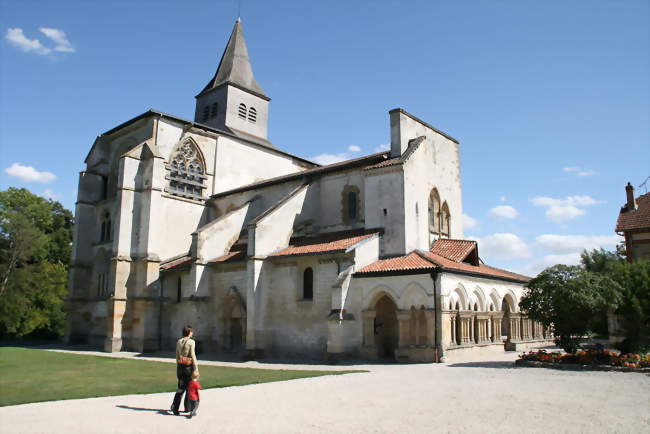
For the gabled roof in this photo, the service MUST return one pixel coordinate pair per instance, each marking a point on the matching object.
(456, 250)
(446, 256)
(409, 262)
(326, 243)
(235, 66)
(634, 219)
(316, 171)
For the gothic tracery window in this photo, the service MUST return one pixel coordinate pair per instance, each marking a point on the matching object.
(445, 220)
(186, 173)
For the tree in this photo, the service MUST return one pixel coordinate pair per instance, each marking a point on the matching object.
(35, 246)
(568, 299)
(633, 304)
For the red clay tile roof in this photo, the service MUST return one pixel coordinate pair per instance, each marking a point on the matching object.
(635, 219)
(182, 262)
(332, 242)
(236, 253)
(456, 250)
(412, 261)
(420, 261)
(448, 264)
(386, 163)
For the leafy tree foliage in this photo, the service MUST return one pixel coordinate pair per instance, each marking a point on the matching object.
(35, 247)
(568, 299)
(633, 304)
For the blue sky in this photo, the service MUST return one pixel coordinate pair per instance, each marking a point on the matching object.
(550, 100)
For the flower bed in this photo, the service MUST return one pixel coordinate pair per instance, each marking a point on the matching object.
(587, 359)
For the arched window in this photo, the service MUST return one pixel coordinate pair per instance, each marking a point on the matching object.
(445, 220)
(105, 230)
(252, 114)
(434, 212)
(308, 284)
(242, 111)
(214, 108)
(186, 173)
(179, 288)
(352, 205)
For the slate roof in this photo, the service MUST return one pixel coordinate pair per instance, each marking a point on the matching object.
(235, 66)
(456, 250)
(177, 264)
(316, 171)
(325, 243)
(638, 218)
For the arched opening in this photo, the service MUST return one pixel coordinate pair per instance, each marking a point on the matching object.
(252, 115)
(422, 327)
(308, 284)
(242, 111)
(505, 321)
(236, 326)
(434, 214)
(352, 205)
(445, 218)
(386, 327)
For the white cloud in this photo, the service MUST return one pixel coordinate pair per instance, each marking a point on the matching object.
(469, 222)
(325, 159)
(562, 244)
(502, 246)
(29, 174)
(503, 212)
(59, 38)
(580, 172)
(382, 148)
(50, 194)
(18, 39)
(354, 148)
(549, 260)
(560, 210)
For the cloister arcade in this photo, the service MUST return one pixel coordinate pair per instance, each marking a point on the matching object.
(404, 327)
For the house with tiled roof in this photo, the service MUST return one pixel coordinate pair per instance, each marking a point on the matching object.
(265, 253)
(634, 224)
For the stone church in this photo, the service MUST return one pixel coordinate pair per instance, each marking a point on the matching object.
(265, 253)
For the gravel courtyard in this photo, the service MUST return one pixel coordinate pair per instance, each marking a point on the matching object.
(486, 396)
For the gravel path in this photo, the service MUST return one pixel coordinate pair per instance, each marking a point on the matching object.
(487, 396)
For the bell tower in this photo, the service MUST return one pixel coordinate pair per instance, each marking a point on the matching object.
(233, 100)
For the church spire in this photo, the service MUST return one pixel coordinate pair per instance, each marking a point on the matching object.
(235, 66)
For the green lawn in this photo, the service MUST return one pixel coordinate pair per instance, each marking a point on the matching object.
(28, 375)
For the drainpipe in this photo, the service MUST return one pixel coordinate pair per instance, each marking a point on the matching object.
(438, 323)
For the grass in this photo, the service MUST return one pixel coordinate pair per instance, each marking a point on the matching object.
(28, 375)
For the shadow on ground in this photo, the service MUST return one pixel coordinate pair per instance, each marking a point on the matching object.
(494, 365)
(156, 410)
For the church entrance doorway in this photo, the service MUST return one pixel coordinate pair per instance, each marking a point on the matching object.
(386, 328)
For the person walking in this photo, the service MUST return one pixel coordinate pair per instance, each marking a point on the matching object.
(193, 392)
(186, 364)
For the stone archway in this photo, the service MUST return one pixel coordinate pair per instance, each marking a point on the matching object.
(386, 329)
(235, 322)
(505, 320)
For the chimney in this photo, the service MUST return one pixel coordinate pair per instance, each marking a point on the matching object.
(629, 191)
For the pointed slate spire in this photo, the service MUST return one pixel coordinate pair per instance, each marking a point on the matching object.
(235, 66)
